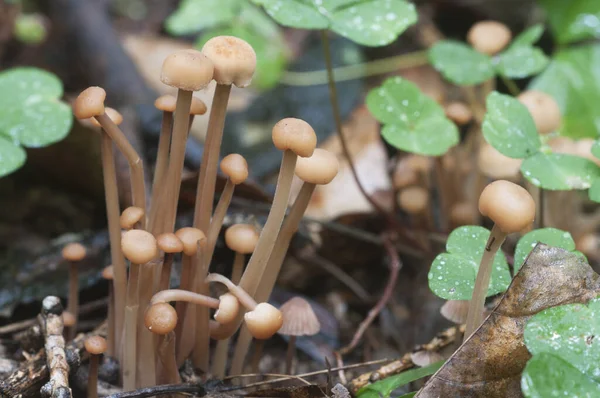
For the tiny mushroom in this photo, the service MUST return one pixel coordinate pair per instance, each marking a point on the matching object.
(512, 209)
(455, 311)
(73, 253)
(543, 109)
(170, 244)
(299, 319)
(131, 217)
(241, 238)
(459, 112)
(489, 37)
(495, 165)
(96, 346)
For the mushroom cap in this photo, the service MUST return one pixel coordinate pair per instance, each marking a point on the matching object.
(108, 273)
(190, 237)
(241, 238)
(425, 358)
(413, 200)
(229, 306)
(139, 246)
(404, 175)
(235, 167)
(95, 345)
(169, 243)
(455, 311)
(295, 135)
(89, 103)
(198, 107)
(463, 213)
(233, 58)
(74, 252)
(543, 109)
(299, 319)
(264, 321)
(166, 103)
(160, 318)
(495, 165)
(113, 114)
(508, 205)
(489, 37)
(320, 168)
(131, 216)
(589, 244)
(458, 112)
(419, 163)
(187, 70)
(68, 319)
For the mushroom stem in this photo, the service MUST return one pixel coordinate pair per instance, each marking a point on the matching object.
(129, 342)
(182, 311)
(138, 186)
(73, 306)
(210, 161)
(475, 314)
(110, 350)
(243, 297)
(165, 274)
(220, 358)
(114, 230)
(176, 158)
(266, 285)
(200, 340)
(162, 163)
(289, 356)
(238, 267)
(442, 191)
(166, 296)
(168, 372)
(146, 361)
(256, 355)
(541, 206)
(92, 387)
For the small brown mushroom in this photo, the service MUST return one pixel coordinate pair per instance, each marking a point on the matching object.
(415, 201)
(495, 165)
(455, 311)
(130, 217)
(96, 346)
(459, 113)
(73, 253)
(241, 238)
(489, 37)
(170, 244)
(543, 109)
(425, 357)
(299, 319)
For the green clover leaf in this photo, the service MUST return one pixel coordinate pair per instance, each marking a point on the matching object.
(560, 172)
(549, 236)
(461, 64)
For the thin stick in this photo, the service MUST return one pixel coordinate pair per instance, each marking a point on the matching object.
(92, 387)
(162, 163)
(56, 358)
(395, 265)
(111, 195)
(289, 356)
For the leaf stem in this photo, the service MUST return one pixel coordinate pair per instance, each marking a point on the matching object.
(512, 87)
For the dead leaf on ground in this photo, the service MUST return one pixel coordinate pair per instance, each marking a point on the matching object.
(490, 363)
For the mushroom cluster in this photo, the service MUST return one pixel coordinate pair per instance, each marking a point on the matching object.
(154, 327)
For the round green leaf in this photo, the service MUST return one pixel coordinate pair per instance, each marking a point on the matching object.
(461, 64)
(30, 29)
(297, 14)
(548, 375)
(549, 236)
(452, 274)
(521, 61)
(413, 121)
(529, 36)
(594, 192)
(194, 15)
(559, 172)
(569, 332)
(12, 157)
(374, 23)
(573, 21)
(509, 127)
(26, 85)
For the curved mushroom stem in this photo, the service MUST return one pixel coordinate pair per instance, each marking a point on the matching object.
(169, 295)
(138, 185)
(243, 297)
(482, 282)
(267, 283)
(162, 162)
(92, 387)
(289, 356)
(114, 231)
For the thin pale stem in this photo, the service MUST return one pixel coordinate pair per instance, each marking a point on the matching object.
(238, 267)
(165, 272)
(166, 296)
(146, 361)
(243, 297)
(208, 169)
(257, 355)
(289, 356)
(482, 282)
(110, 350)
(168, 372)
(114, 231)
(201, 337)
(92, 387)
(73, 306)
(176, 158)
(220, 359)
(162, 163)
(129, 349)
(138, 185)
(541, 207)
(185, 317)
(442, 190)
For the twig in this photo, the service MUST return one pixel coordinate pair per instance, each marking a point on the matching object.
(56, 358)
(166, 389)
(395, 265)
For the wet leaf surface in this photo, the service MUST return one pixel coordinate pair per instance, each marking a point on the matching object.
(559, 172)
(528, 37)
(521, 61)
(489, 364)
(548, 236)
(461, 64)
(573, 20)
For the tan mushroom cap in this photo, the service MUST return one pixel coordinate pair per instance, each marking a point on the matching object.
(489, 37)
(131, 216)
(495, 165)
(139, 246)
(235, 167)
(166, 103)
(190, 237)
(187, 70)
(419, 163)
(455, 311)
(404, 175)
(543, 109)
(198, 107)
(113, 114)
(241, 238)
(264, 321)
(459, 112)
(95, 345)
(413, 200)
(229, 306)
(233, 58)
(89, 103)
(108, 273)
(160, 318)
(68, 319)
(299, 319)
(320, 168)
(295, 135)
(74, 252)
(508, 205)
(169, 243)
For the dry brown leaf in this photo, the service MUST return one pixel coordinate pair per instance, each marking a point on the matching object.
(490, 363)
